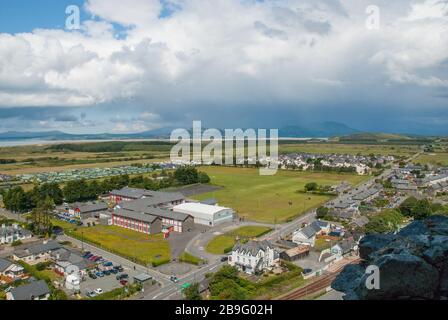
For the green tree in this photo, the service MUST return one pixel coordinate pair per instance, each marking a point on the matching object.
(311, 186)
(203, 177)
(41, 216)
(192, 292)
(186, 175)
(321, 212)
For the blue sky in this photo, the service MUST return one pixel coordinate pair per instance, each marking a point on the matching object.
(139, 65)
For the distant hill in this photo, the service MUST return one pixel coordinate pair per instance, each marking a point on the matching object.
(317, 130)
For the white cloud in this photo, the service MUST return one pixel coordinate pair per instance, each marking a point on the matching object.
(225, 51)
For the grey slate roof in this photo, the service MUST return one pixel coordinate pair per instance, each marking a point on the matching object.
(93, 207)
(252, 247)
(34, 289)
(157, 199)
(4, 264)
(152, 197)
(44, 247)
(166, 214)
(135, 215)
(366, 194)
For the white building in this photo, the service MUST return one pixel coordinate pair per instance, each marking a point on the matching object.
(72, 282)
(254, 256)
(9, 234)
(205, 214)
(307, 235)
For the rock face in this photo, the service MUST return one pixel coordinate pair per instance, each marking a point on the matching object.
(412, 264)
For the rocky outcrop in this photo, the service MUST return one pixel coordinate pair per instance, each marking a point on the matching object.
(412, 264)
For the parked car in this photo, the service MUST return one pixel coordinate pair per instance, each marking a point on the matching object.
(224, 259)
(122, 276)
(119, 268)
(174, 279)
(108, 264)
(98, 291)
(306, 271)
(92, 276)
(114, 271)
(106, 272)
(91, 258)
(90, 293)
(124, 282)
(100, 274)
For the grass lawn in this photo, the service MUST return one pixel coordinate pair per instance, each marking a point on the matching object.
(270, 199)
(321, 244)
(142, 248)
(440, 158)
(363, 149)
(220, 244)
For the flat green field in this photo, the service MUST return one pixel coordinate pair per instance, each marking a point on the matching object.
(363, 149)
(433, 158)
(134, 245)
(270, 199)
(219, 244)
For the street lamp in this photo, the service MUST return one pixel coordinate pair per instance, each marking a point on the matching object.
(82, 241)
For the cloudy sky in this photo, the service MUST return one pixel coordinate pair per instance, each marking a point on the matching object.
(140, 65)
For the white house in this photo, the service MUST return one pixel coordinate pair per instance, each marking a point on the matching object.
(254, 256)
(206, 214)
(307, 235)
(344, 247)
(10, 269)
(9, 234)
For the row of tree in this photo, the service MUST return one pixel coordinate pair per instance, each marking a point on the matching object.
(17, 200)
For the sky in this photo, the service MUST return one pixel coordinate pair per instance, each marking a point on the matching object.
(140, 65)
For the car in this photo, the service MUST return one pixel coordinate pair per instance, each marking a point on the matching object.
(100, 274)
(97, 259)
(224, 259)
(92, 276)
(108, 264)
(122, 276)
(306, 271)
(106, 272)
(174, 279)
(98, 291)
(90, 293)
(91, 258)
(86, 253)
(119, 268)
(124, 282)
(114, 271)
(89, 255)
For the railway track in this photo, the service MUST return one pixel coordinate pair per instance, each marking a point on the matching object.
(316, 286)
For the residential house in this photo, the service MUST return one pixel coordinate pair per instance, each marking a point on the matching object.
(10, 234)
(36, 290)
(254, 256)
(10, 269)
(69, 261)
(307, 235)
(36, 253)
(344, 247)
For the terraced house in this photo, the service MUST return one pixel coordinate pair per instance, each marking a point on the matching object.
(9, 234)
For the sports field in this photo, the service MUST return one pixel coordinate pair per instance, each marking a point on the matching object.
(133, 245)
(270, 199)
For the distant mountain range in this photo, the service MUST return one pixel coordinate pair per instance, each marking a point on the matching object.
(318, 130)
